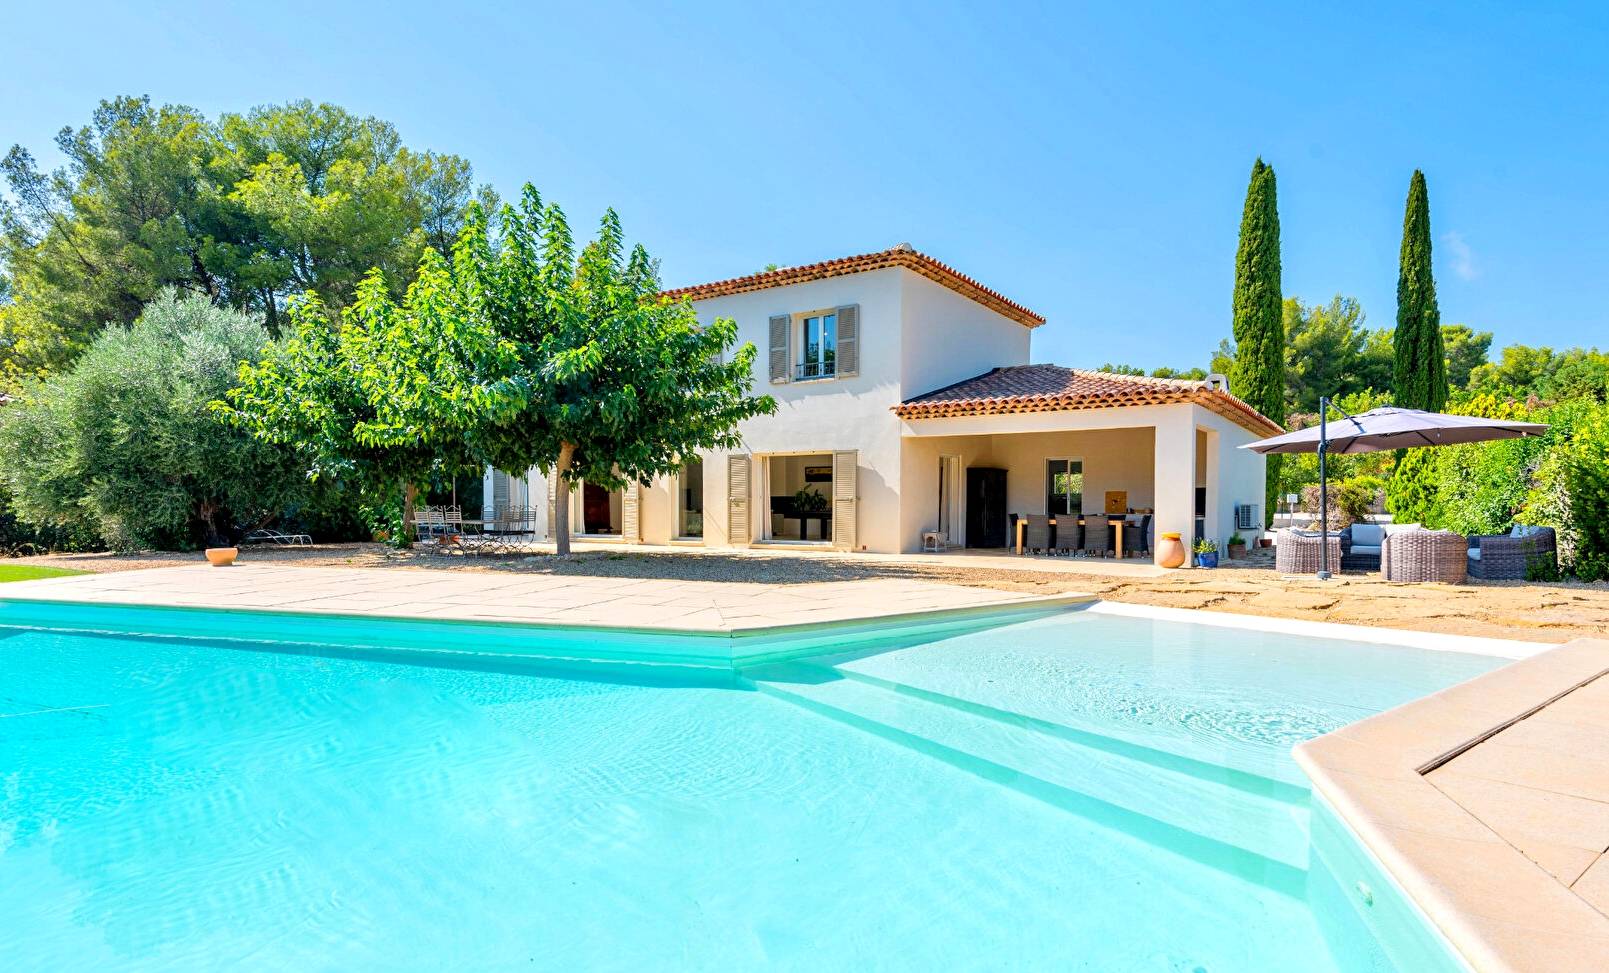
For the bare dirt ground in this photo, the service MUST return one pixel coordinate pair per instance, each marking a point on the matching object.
(1532, 612)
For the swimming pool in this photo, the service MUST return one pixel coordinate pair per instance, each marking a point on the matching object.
(1072, 791)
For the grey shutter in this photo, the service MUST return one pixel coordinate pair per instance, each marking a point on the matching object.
(845, 486)
(630, 516)
(739, 529)
(781, 331)
(847, 357)
(499, 494)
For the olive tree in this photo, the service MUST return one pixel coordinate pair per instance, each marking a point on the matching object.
(124, 442)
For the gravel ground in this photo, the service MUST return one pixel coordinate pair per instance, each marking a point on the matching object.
(1533, 612)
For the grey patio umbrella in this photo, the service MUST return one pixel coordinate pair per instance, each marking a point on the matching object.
(1384, 428)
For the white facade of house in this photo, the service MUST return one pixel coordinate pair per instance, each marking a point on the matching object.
(904, 334)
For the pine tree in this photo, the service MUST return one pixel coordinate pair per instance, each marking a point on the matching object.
(1259, 324)
(1420, 380)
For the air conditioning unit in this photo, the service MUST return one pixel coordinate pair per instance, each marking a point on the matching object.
(1248, 516)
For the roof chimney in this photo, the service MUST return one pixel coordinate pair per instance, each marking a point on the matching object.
(1218, 382)
(903, 248)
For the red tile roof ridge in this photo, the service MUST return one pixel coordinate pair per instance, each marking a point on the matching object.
(903, 255)
(1049, 388)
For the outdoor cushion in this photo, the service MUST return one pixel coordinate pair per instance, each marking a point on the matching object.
(1365, 548)
(1474, 554)
(1367, 537)
(1400, 528)
(1525, 530)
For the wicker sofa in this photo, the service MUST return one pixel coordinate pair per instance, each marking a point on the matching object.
(1423, 555)
(1508, 557)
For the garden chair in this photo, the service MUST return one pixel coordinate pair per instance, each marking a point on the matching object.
(1097, 534)
(1137, 536)
(1036, 537)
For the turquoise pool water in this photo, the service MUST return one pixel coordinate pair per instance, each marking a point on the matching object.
(1071, 792)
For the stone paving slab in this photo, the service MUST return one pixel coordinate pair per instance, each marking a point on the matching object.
(634, 603)
(1489, 804)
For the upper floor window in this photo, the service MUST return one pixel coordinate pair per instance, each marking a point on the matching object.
(818, 341)
(811, 345)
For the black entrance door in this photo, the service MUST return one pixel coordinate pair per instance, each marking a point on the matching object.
(986, 507)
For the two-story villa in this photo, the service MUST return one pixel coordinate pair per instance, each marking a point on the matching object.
(907, 404)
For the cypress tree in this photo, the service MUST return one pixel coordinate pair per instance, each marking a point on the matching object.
(1259, 323)
(1420, 379)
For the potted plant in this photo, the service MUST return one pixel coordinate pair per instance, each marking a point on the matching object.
(808, 503)
(1206, 553)
(1237, 546)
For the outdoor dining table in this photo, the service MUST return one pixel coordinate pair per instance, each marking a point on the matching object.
(1112, 520)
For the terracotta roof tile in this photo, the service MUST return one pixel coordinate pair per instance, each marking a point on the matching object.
(900, 256)
(1052, 388)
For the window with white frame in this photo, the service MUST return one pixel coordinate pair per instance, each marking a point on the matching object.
(818, 345)
(1064, 486)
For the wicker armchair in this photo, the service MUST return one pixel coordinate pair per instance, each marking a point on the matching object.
(1505, 557)
(1301, 552)
(1424, 555)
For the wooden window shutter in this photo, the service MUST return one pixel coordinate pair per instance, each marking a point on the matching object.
(845, 487)
(499, 493)
(847, 357)
(739, 529)
(630, 517)
(781, 331)
(553, 506)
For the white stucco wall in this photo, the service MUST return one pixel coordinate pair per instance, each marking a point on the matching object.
(948, 338)
(823, 416)
(1241, 476)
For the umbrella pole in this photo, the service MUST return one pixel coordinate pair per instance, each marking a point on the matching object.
(1323, 490)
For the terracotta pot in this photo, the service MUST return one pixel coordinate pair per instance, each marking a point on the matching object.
(1170, 552)
(222, 557)
(1265, 542)
(1237, 551)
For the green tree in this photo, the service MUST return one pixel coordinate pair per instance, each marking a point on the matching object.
(1420, 380)
(385, 402)
(1124, 369)
(1193, 374)
(124, 444)
(245, 211)
(1579, 373)
(621, 385)
(1324, 345)
(1259, 327)
(1519, 369)
(1376, 364)
(1466, 351)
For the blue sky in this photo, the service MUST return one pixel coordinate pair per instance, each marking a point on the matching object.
(1089, 161)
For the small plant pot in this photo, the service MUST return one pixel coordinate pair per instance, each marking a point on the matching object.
(1265, 542)
(1237, 551)
(222, 557)
(1207, 560)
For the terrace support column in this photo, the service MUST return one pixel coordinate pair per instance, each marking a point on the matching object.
(1175, 475)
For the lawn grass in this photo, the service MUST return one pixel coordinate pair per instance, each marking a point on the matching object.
(28, 572)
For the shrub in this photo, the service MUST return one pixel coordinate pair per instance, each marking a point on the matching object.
(1412, 492)
(1586, 479)
(125, 440)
